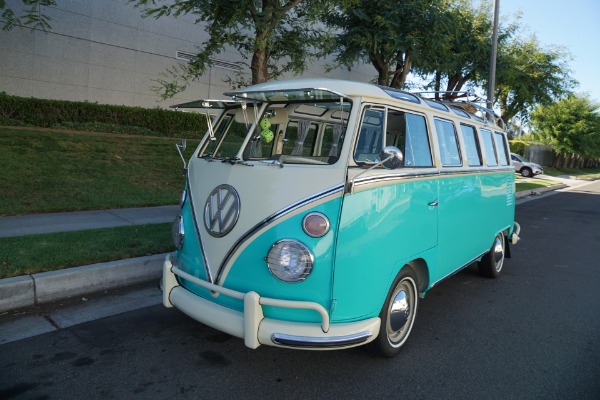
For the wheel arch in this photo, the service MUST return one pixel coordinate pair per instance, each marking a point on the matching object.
(419, 266)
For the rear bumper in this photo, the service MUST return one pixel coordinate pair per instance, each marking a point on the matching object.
(253, 327)
(516, 231)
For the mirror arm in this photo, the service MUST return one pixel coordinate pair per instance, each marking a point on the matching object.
(367, 170)
(180, 150)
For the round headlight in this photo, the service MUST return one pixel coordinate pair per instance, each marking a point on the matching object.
(315, 224)
(178, 232)
(290, 261)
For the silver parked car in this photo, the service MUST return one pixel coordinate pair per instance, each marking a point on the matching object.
(525, 168)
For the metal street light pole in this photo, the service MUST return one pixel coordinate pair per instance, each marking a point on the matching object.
(492, 77)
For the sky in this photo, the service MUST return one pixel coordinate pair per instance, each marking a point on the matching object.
(573, 24)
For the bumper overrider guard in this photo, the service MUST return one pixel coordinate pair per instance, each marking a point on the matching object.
(252, 326)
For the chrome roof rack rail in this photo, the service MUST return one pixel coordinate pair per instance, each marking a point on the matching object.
(468, 101)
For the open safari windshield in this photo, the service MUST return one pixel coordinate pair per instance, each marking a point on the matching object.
(297, 129)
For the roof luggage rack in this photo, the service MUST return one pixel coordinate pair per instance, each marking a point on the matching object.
(467, 101)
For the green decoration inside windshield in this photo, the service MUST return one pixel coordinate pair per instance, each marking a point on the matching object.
(266, 134)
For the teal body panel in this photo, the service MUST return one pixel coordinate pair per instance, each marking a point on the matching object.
(249, 271)
(473, 208)
(381, 229)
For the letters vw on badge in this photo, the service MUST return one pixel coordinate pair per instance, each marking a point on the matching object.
(221, 211)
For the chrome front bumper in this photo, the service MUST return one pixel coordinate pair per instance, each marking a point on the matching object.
(253, 327)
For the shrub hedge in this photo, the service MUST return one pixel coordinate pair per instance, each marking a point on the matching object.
(15, 110)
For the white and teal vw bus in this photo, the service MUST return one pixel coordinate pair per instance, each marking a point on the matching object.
(317, 212)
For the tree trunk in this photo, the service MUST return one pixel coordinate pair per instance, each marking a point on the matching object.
(402, 70)
(383, 71)
(258, 67)
(558, 161)
(260, 57)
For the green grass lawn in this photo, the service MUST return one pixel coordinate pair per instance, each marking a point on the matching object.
(50, 171)
(38, 253)
(534, 185)
(588, 173)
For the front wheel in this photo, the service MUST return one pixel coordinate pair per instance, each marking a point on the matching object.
(397, 315)
(526, 172)
(491, 263)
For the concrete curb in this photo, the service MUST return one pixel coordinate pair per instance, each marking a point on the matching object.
(29, 290)
(538, 191)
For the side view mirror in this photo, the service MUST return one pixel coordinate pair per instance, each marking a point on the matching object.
(391, 157)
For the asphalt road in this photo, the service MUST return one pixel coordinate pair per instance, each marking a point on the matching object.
(534, 333)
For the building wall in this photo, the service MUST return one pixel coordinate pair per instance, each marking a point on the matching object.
(104, 51)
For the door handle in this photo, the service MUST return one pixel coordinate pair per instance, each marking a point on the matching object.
(434, 203)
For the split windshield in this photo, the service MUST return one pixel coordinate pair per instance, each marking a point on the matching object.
(288, 133)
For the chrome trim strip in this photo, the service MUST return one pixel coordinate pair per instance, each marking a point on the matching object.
(319, 343)
(272, 218)
(209, 277)
(392, 177)
(385, 177)
(476, 170)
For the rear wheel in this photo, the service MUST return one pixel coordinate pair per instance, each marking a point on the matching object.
(491, 263)
(526, 172)
(397, 315)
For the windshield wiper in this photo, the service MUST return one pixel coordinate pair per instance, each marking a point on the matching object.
(235, 160)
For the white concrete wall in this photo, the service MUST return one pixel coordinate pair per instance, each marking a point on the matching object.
(104, 51)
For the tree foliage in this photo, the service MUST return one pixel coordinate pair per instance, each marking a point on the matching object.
(277, 36)
(390, 35)
(30, 15)
(461, 57)
(571, 126)
(530, 75)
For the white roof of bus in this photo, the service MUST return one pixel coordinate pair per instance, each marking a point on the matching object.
(347, 88)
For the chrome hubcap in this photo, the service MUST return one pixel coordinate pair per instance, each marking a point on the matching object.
(498, 252)
(401, 312)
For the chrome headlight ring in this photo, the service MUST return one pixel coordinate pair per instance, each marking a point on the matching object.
(290, 261)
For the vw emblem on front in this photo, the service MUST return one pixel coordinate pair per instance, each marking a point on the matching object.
(221, 211)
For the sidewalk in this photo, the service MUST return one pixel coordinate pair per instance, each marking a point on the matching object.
(82, 220)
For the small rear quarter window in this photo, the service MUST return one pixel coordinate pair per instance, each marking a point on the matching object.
(502, 148)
